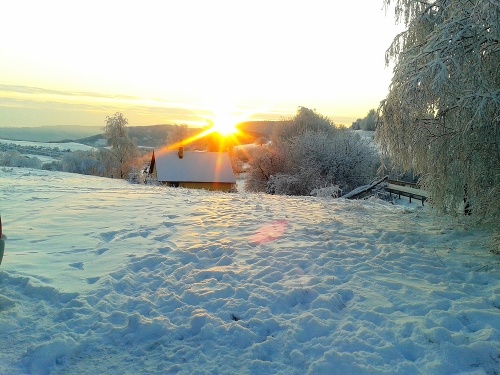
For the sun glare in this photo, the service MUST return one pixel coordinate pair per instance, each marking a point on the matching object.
(224, 123)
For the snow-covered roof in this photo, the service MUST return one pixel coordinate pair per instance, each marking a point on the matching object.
(193, 167)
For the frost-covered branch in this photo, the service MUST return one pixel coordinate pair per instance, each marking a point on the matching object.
(441, 116)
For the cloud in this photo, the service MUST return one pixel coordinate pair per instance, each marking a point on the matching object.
(34, 106)
(42, 110)
(42, 91)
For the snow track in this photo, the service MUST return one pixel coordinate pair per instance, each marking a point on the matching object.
(104, 277)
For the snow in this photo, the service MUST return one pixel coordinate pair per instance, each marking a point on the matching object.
(72, 146)
(104, 277)
(364, 188)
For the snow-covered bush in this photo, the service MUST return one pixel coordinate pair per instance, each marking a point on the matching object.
(15, 159)
(328, 191)
(309, 152)
(264, 162)
(286, 184)
(83, 162)
(52, 166)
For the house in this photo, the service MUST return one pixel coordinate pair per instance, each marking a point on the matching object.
(191, 169)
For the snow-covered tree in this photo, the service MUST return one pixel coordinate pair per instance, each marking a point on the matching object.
(305, 120)
(180, 133)
(123, 147)
(369, 122)
(82, 162)
(264, 162)
(308, 152)
(441, 117)
(108, 162)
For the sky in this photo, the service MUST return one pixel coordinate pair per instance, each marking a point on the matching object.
(157, 62)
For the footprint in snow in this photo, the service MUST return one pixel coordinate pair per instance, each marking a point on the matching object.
(109, 236)
(6, 303)
(92, 280)
(101, 251)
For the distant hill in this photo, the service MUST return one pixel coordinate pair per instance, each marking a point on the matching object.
(148, 136)
(49, 133)
(155, 135)
(259, 128)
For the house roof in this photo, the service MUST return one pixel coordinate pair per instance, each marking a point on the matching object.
(193, 167)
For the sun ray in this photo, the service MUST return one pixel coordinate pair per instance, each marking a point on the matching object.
(224, 121)
(188, 140)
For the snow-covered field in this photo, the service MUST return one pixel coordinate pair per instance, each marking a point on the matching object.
(104, 277)
(72, 146)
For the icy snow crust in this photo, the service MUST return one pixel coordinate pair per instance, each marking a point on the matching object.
(104, 277)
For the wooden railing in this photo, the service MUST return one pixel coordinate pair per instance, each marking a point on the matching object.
(406, 189)
(400, 188)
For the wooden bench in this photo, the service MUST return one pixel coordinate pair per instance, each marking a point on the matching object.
(407, 191)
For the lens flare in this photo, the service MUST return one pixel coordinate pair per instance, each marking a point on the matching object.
(269, 232)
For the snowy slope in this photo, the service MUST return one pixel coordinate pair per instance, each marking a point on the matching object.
(72, 146)
(104, 277)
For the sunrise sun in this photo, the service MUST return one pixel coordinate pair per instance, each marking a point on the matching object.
(224, 123)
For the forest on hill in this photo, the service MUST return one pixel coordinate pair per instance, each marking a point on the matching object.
(147, 136)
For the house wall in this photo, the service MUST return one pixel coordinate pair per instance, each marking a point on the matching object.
(220, 186)
(214, 186)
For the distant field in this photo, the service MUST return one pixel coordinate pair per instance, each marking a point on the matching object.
(49, 133)
(72, 146)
